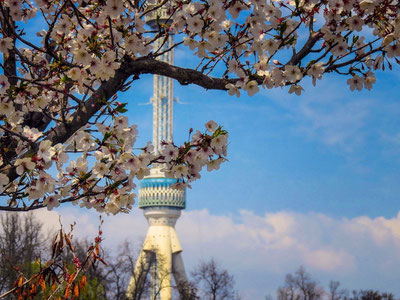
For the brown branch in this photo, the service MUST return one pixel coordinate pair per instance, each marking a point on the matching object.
(183, 75)
(51, 28)
(333, 67)
(8, 29)
(312, 39)
(129, 67)
(23, 284)
(35, 206)
(22, 137)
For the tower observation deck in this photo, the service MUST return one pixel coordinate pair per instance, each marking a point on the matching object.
(161, 204)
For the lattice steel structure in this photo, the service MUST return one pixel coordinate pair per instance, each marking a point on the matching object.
(161, 204)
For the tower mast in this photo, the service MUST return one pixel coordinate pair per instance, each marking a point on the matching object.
(161, 204)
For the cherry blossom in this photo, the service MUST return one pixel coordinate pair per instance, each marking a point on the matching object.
(52, 201)
(251, 87)
(211, 126)
(62, 110)
(6, 44)
(214, 164)
(297, 89)
(3, 182)
(316, 71)
(170, 152)
(356, 82)
(292, 73)
(24, 165)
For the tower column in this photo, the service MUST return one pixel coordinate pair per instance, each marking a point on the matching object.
(161, 203)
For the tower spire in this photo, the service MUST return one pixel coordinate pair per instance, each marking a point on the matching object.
(160, 202)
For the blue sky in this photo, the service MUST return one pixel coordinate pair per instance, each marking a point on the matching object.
(330, 150)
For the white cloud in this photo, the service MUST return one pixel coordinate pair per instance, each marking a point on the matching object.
(361, 252)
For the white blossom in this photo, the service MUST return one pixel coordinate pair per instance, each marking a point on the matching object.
(211, 126)
(100, 169)
(251, 87)
(180, 171)
(23, 165)
(292, 73)
(316, 70)
(45, 152)
(3, 181)
(233, 90)
(369, 81)
(355, 82)
(355, 23)
(4, 84)
(169, 152)
(52, 201)
(214, 164)
(6, 44)
(195, 24)
(31, 133)
(297, 89)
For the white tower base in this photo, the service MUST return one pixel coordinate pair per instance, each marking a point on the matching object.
(162, 251)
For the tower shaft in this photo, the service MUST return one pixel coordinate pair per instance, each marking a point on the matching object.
(161, 203)
(163, 97)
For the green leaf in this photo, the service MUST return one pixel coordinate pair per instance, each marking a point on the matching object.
(282, 28)
(64, 79)
(107, 135)
(121, 108)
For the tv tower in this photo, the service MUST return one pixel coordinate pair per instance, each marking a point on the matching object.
(161, 204)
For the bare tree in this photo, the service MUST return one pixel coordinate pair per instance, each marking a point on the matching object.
(214, 283)
(335, 293)
(21, 243)
(111, 281)
(119, 271)
(300, 286)
(370, 295)
(187, 291)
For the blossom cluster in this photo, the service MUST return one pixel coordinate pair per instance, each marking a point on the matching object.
(253, 39)
(204, 149)
(59, 88)
(101, 176)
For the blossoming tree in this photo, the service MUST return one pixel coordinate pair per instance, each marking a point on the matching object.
(58, 91)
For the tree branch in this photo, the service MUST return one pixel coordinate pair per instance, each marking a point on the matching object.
(312, 39)
(182, 75)
(130, 67)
